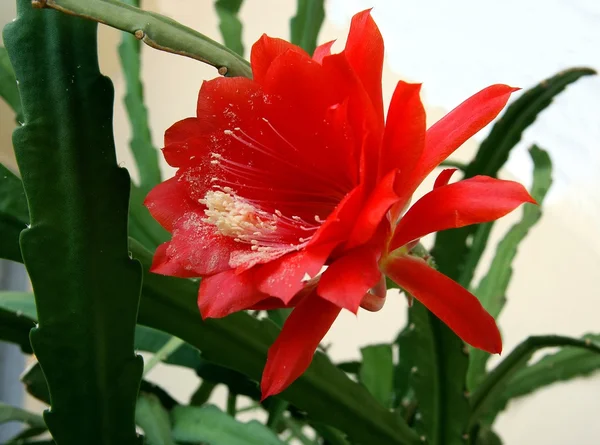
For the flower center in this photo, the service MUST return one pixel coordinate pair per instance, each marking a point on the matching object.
(235, 217)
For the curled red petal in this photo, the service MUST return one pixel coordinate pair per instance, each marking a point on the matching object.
(177, 141)
(293, 350)
(163, 264)
(451, 131)
(404, 137)
(471, 201)
(448, 300)
(322, 51)
(226, 293)
(444, 177)
(168, 201)
(377, 205)
(364, 51)
(282, 278)
(195, 250)
(348, 278)
(265, 51)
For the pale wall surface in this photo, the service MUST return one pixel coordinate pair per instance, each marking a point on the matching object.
(455, 50)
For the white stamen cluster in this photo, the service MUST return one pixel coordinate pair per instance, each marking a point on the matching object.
(235, 217)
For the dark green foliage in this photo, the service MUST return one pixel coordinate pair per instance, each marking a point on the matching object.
(492, 388)
(8, 85)
(145, 154)
(566, 364)
(241, 342)
(377, 372)
(433, 363)
(87, 287)
(452, 253)
(492, 288)
(230, 25)
(306, 24)
(14, 215)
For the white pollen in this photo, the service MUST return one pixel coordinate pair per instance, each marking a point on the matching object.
(265, 119)
(296, 218)
(237, 129)
(216, 155)
(318, 219)
(278, 213)
(228, 132)
(237, 218)
(214, 162)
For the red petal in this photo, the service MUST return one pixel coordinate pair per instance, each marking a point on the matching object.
(404, 138)
(195, 250)
(322, 51)
(339, 223)
(283, 277)
(364, 51)
(374, 210)
(163, 265)
(346, 281)
(168, 201)
(472, 201)
(365, 122)
(226, 293)
(293, 350)
(444, 177)
(177, 141)
(449, 301)
(265, 51)
(451, 131)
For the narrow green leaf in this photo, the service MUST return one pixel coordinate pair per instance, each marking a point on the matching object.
(18, 316)
(35, 384)
(144, 153)
(564, 365)
(14, 214)
(8, 85)
(451, 250)
(306, 24)
(491, 389)
(493, 287)
(241, 342)
(15, 324)
(28, 433)
(142, 226)
(208, 424)
(485, 436)
(13, 414)
(230, 25)
(377, 372)
(437, 367)
(203, 393)
(156, 31)
(87, 287)
(154, 420)
(278, 316)
(12, 196)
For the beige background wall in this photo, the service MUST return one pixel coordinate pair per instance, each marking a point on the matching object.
(554, 289)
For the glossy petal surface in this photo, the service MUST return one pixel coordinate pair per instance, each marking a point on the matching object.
(472, 201)
(448, 300)
(293, 350)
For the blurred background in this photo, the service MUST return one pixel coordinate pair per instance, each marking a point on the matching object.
(454, 48)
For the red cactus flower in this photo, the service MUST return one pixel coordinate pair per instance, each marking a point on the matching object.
(296, 169)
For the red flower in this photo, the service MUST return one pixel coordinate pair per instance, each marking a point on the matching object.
(296, 169)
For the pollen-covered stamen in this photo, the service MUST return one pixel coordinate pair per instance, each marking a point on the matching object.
(237, 218)
(242, 220)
